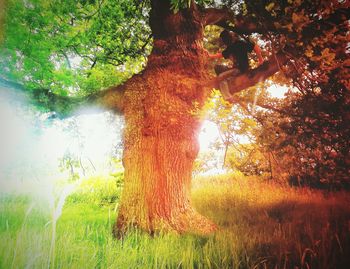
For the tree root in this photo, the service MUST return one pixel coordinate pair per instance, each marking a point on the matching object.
(186, 222)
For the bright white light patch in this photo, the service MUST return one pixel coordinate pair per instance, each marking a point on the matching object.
(277, 91)
(98, 135)
(13, 135)
(32, 147)
(209, 134)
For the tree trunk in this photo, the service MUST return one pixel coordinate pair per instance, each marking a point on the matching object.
(270, 165)
(225, 155)
(161, 133)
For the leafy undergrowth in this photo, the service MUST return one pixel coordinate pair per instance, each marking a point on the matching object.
(262, 225)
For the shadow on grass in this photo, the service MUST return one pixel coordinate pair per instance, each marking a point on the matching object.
(287, 234)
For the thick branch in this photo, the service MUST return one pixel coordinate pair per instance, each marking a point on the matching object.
(65, 106)
(111, 99)
(239, 82)
(215, 16)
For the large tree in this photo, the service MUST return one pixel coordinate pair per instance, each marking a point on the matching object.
(161, 104)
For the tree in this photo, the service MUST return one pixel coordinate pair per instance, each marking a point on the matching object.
(308, 136)
(160, 103)
(232, 121)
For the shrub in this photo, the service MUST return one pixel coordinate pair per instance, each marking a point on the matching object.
(98, 190)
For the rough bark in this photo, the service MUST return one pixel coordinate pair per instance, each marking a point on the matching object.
(160, 137)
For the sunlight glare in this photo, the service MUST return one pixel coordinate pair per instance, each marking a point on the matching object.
(33, 147)
(277, 91)
(97, 134)
(208, 135)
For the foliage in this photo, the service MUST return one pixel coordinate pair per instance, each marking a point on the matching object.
(98, 190)
(70, 163)
(205, 162)
(176, 5)
(73, 46)
(248, 159)
(239, 130)
(312, 148)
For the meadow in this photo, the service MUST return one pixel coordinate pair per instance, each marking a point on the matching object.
(262, 224)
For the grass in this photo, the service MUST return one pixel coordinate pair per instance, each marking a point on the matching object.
(262, 225)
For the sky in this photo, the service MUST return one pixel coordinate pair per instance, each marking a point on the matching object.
(277, 91)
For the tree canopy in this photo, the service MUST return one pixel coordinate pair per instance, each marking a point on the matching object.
(83, 46)
(73, 47)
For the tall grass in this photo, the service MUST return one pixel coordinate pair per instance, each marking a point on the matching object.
(262, 225)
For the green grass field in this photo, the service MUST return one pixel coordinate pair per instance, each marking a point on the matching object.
(262, 225)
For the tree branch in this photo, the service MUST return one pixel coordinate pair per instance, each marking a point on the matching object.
(111, 99)
(239, 82)
(215, 16)
(66, 106)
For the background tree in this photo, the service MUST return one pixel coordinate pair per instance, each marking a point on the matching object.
(234, 122)
(308, 140)
(160, 138)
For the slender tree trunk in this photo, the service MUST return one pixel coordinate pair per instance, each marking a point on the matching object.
(161, 133)
(270, 166)
(225, 155)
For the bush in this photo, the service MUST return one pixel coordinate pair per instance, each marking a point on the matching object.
(98, 190)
